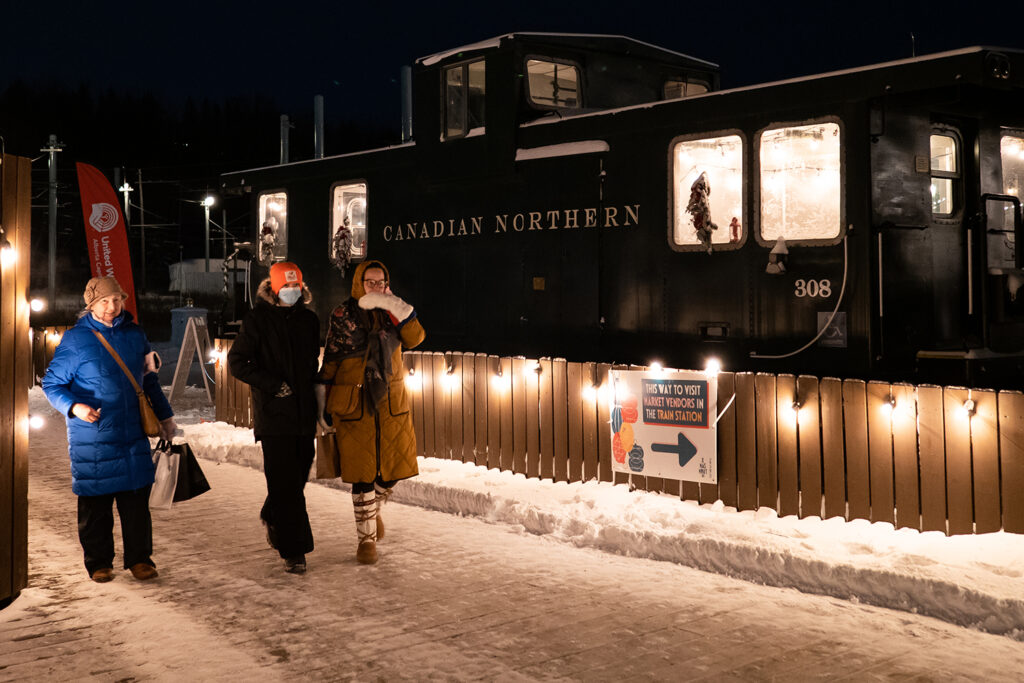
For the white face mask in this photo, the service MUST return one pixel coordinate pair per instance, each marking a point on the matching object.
(289, 295)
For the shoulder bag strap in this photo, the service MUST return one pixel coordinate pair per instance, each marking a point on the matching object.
(138, 389)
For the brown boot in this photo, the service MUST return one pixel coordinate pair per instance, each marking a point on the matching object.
(365, 507)
(366, 553)
(102, 575)
(143, 571)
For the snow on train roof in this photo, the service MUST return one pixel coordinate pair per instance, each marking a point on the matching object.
(555, 117)
(496, 41)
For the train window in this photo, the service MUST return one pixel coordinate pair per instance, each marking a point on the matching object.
(348, 210)
(676, 89)
(464, 98)
(719, 161)
(945, 171)
(273, 215)
(1011, 149)
(553, 84)
(801, 191)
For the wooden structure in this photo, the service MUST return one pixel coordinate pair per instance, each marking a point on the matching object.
(15, 373)
(195, 342)
(910, 456)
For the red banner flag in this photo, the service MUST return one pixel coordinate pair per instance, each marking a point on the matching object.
(105, 233)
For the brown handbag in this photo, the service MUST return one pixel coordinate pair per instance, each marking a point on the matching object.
(328, 463)
(150, 423)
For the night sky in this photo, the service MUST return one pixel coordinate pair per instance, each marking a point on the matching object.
(352, 52)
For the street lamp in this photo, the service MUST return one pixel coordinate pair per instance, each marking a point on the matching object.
(125, 189)
(207, 203)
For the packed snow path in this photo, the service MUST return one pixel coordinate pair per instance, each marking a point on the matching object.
(453, 598)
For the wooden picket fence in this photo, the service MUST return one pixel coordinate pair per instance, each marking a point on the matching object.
(45, 341)
(908, 455)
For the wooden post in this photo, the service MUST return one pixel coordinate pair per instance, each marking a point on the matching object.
(906, 482)
(880, 463)
(931, 458)
(809, 447)
(15, 375)
(1011, 459)
(959, 492)
(858, 480)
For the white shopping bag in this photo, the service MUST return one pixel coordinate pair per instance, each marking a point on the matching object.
(162, 494)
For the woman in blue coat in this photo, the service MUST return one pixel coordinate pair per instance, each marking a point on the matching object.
(110, 454)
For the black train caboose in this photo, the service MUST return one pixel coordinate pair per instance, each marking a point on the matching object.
(865, 221)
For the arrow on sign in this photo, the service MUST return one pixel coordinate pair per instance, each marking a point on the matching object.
(683, 448)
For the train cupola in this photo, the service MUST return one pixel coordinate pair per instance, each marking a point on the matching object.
(478, 95)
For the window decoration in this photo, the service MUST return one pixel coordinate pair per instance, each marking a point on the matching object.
(347, 241)
(707, 192)
(273, 215)
(801, 189)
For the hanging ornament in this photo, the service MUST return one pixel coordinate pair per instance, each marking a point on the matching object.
(268, 241)
(699, 209)
(341, 247)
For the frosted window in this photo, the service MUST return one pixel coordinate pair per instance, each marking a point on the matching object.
(721, 159)
(801, 193)
(553, 84)
(348, 209)
(1011, 150)
(945, 170)
(273, 228)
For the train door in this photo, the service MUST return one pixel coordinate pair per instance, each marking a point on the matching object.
(925, 303)
(1002, 264)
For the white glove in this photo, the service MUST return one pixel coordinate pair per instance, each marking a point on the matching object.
(389, 302)
(168, 429)
(320, 391)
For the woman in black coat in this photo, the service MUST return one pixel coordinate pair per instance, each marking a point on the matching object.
(277, 353)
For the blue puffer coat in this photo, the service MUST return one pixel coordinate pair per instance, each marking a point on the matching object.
(111, 454)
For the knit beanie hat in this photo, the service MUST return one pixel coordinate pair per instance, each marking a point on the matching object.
(284, 273)
(100, 287)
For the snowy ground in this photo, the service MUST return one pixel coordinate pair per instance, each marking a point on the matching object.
(527, 581)
(975, 581)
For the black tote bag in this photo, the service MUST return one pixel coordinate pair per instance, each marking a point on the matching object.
(191, 480)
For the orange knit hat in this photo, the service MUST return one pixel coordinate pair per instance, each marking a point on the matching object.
(284, 273)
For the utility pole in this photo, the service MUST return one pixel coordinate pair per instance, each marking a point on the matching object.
(51, 286)
(285, 128)
(142, 235)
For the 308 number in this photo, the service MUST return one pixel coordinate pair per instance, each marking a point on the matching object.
(813, 288)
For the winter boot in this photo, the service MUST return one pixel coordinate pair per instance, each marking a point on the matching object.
(382, 497)
(365, 505)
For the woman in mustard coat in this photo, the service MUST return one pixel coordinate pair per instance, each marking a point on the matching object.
(366, 396)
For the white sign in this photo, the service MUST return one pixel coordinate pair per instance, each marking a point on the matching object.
(663, 425)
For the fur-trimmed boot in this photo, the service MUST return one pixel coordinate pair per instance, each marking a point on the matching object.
(365, 506)
(382, 497)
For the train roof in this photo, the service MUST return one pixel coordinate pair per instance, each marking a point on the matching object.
(585, 41)
(890, 68)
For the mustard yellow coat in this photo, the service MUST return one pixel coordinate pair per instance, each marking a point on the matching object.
(369, 442)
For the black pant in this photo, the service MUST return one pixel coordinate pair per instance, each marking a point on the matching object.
(96, 528)
(286, 463)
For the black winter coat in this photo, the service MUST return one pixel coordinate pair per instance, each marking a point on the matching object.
(278, 344)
